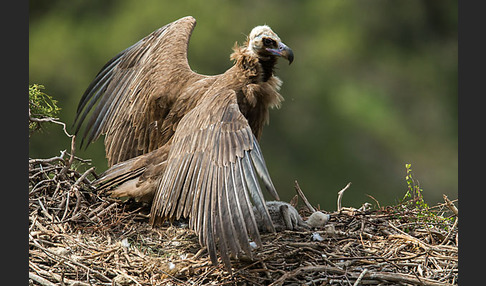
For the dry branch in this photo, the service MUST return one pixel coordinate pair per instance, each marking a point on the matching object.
(340, 196)
(80, 237)
(304, 199)
(451, 205)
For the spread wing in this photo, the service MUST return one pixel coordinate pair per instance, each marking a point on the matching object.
(134, 92)
(212, 177)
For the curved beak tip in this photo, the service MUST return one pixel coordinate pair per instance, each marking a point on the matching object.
(286, 52)
(290, 57)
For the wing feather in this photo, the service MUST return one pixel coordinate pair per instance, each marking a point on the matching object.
(236, 216)
(185, 183)
(132, 96)
(247, 207)
(256, 193)
(224, 214)
(209, 223)
(106, 107)
(212, 177)
(260, 166)
(194, 178)
(97, 86)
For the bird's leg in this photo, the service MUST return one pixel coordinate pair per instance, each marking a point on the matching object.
(284, 211)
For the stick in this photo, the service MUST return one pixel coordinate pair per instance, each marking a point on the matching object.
(71, 157)
(340, 196)
(451, 205)
(382, 276)
(450, 232)
(97, 217)
(71, 261)
(59, 158)
(58, 277)
(53, 120)
(40, 280)
(83, 177)
(304, 199)
(360, 277)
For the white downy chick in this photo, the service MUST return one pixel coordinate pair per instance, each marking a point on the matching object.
(318, 219)
(285, 216)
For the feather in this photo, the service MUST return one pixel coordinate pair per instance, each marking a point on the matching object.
(247, 208)
(236, 216)
(92, 98)
(224, 212)
(187, 140)
(258, 161)
(199, 195)
(204, 210)
(210, 222)
(124, 84)
(256, 193)
(190, 186)
(96, 88)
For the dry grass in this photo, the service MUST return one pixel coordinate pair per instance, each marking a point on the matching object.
(80, 237)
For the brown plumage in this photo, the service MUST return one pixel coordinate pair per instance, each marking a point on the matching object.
(185, 141)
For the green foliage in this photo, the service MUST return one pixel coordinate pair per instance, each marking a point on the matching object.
(41, 105)
(413, 201)
(414, 192)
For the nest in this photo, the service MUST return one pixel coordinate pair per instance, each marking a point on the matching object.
(78, 236)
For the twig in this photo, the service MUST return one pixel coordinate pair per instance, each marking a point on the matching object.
(97, 217)
(50, 119)
(40, 280)
(66, 206)
(451, 205)
(83, 177)
(360, 277)
(446, 238)
(383, 276)
(71, 157)
(406, 278)
(340, 196)
(71, 261)
(376, 201)
(304, 199)
(55, 276)
(59, 158)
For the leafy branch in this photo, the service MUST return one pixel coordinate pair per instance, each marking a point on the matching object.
(42, 108)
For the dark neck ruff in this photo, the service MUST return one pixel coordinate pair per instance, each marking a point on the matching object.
(267, 66)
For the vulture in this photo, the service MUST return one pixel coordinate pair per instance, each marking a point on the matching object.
(187, 142)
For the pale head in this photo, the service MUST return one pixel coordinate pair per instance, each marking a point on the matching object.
(265, 44)
(318, 219)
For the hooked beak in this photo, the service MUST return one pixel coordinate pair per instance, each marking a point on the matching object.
(283, 51)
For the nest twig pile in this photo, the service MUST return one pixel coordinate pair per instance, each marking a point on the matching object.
(80, 237)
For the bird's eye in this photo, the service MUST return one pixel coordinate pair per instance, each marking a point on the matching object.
(268, 42)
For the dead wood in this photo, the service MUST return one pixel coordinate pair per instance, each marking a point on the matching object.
(80, 237)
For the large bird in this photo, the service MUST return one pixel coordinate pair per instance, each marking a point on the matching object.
(185, 141)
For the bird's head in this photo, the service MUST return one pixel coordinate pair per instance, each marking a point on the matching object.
(318, 219)
(263, 42)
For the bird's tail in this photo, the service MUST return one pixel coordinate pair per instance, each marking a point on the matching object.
(134, 178)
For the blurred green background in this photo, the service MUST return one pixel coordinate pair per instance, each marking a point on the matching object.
(373, 85)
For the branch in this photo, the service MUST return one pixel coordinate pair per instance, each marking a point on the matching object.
(383, 276)
(52, 120)
(451, 205)
(301, 194)
(40, 280)
(71, 261)
(71, 157)
(360, 277)
(340, 196)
